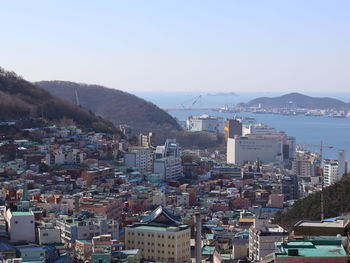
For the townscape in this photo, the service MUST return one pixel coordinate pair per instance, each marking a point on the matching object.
(179, 131)
(70, 194)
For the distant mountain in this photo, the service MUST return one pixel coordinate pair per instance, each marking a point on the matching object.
(20, 99)
(300, 101)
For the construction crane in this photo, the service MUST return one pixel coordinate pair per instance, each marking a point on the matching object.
(321, 146)
(192, 101)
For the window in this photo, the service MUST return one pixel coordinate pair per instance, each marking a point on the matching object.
(45, 234)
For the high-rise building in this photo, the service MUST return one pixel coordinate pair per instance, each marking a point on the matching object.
(205, 123)
(333, 170)
(304, 166)
(167, 161)
(141, 157)
(233, 127)
(170, 168)
(246, 149)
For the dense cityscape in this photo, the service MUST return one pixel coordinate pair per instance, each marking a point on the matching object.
(70, 194)
(175, 131)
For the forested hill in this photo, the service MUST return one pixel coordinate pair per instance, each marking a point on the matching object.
(114, 105)
(20, 99)
(336, 198)
(300, 101)
(124, 108)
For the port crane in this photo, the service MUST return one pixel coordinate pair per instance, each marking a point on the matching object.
(192, 101)
(321, 147)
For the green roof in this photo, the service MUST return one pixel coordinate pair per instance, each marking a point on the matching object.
(312, 248)
(153, 228)
(16, 213)
(105, 257)
(208, 250)
(226, 256)
(86, 242)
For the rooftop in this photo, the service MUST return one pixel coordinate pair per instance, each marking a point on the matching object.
(338, 223)
(17, 213)
(311, 248)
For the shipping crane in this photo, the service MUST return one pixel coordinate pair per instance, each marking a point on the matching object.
(321, 146)
(192, 101)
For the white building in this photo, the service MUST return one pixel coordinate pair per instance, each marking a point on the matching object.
(257, 128)
(183, 199)
(48, 234)
(21, 226)
(85, 228)
(170, 168)
(140, 157)
(61, 156)
(245, 149)
(262, 238)
(333, 170)
(205, 123)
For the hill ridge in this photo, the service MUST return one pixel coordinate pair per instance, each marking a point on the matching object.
(20, 99)
(299, 100)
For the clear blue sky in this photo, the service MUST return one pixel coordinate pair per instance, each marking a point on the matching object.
(186, 45)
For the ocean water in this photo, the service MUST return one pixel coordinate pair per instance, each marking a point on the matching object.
(182, 99)
(307, 129)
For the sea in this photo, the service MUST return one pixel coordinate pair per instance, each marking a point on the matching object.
(308, 130)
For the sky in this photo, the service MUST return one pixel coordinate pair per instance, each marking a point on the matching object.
(181, 45)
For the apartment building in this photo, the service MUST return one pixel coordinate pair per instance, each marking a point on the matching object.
(262, 238)
(85, 227)
(140, 157)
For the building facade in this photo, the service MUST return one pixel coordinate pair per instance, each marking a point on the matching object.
(245, 149)
(160, 237)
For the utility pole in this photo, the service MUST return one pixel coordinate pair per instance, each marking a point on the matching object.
(322, 182)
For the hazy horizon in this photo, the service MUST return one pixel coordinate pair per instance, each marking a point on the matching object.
(200, 46)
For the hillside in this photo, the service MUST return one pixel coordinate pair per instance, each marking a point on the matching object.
(300, 101)
(124, 108)
(336, 198)
(114, 105)
(20, 99)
